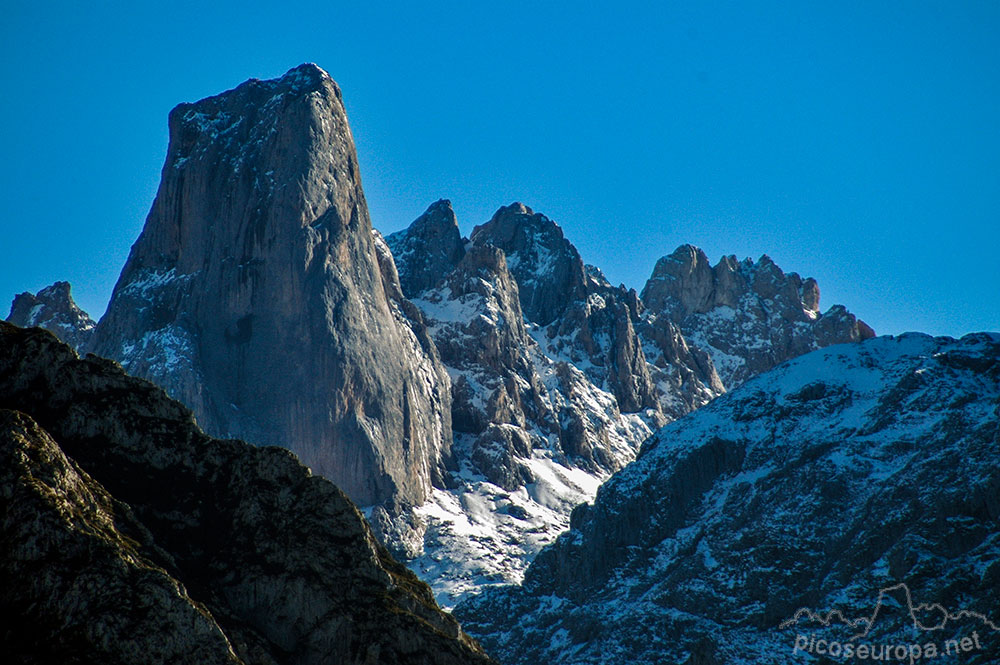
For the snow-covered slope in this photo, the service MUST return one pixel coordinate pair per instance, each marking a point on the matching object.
(834, 477)
(535, 430)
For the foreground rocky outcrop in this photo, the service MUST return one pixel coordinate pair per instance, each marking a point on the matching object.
(749, 316)
(53, 308)
(130, 536)
(825, 484)
(255, 296)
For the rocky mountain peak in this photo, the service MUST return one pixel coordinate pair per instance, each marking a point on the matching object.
(683, 279)
(53, 308)
(255, 294)
(548, 268)
(515, 208)
(426, 250)
(748, 315)
(308, 73)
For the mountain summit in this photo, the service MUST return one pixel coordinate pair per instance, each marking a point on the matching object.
(254, 294)
(750, 316)
(53, 308)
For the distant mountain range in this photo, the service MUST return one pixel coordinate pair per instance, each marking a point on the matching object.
(470, 393)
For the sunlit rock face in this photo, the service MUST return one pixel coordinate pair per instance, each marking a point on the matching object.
(748, 316)
(254, 295)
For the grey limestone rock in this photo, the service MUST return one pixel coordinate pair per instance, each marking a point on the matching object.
(428, 249)
(817, 485)
(255, 294)
(548, 268)
(584, 320)
(748, 316)
(534, 434)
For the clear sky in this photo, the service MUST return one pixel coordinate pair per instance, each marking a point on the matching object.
(857, 143)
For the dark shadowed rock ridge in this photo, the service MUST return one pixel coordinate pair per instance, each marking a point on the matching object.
(53, 308)
(254, 295)
(130, 536)
(749, 316)
(836, 475)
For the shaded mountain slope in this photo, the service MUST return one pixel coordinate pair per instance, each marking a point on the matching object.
(838, 474)
(130, 536)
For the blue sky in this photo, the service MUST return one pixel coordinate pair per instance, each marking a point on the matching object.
(857, 143)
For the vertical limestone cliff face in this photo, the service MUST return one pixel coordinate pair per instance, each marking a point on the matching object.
(254, 294)
(129, 536)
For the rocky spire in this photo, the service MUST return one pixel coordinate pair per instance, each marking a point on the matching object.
(548, 268)
(254, 294)
(53, 308)
(589, 322)
(428, 249)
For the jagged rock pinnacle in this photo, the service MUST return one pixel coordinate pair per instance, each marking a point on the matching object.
(254, 294)
(749, 316)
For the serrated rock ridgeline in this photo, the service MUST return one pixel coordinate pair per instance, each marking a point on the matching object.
(53, 308)
(541, 412)
(750, 316)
